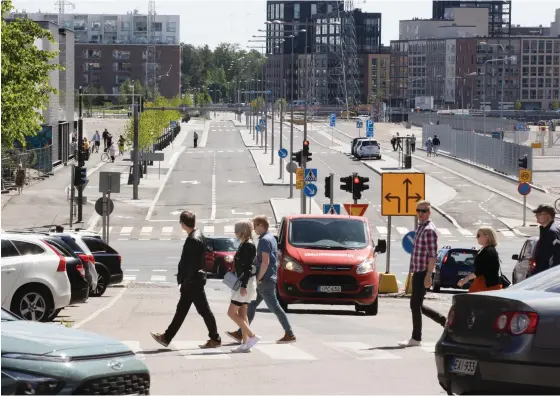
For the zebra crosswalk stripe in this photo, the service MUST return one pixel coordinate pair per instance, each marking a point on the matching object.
(464, 232)
(229, 229)
(362, 351)
(402, 230)
(191, 350)
(146, 230)
(444, 231)
(208, 229)
(283, 352)
(508, 233)
(382, 230)
(167, 230)
(126, 230)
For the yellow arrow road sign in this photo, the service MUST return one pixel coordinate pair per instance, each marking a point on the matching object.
(400, 192)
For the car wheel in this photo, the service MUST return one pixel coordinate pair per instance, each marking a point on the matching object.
(33, 302)
(54, 313)
(220, 271)
(102, 281)
(370, 310)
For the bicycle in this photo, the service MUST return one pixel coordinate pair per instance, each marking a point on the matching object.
(557, 205)
(105, 157)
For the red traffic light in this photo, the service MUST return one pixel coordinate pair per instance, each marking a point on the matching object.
(356, 180)
(306, 142)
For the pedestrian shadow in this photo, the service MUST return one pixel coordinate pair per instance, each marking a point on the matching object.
(155, 351)
(337, 312)
(386, 348)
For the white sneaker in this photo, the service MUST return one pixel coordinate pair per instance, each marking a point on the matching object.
(410, 343)
(253, 341)
(241, 349)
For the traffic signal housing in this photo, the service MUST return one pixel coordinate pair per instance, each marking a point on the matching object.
(306, 153)
(523, 162)
(347, 186)
(359, 185)
(328, 190)
(297, 157)
(80, 176)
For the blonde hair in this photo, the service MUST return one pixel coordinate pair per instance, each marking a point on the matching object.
(424, 202)
(243, 229)
(490, 233)
(261, 220)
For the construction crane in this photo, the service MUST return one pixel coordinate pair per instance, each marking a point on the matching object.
(151, 49)
(61, 6)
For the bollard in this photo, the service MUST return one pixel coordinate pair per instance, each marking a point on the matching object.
(130, 176)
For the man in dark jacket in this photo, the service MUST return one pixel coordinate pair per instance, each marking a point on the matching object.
(191, 279)
(547, 254)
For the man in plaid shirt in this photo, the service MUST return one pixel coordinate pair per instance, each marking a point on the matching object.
(422, 263)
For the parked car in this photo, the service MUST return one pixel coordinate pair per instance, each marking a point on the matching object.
(525, 265)
(219, 254)
(503, 341)
(34, 278)
(47, 359)
(452, 264)
(368, 148)
(354, 144)
(107, 262)
(328, 259)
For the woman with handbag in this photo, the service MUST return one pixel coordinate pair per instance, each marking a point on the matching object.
(243, 284)
(486, 273)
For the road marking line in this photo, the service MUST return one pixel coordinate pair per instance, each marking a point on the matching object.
(428, 347)
(135, 347)
(444, 231)
(126, 230)
(191, 350)
(208, 229)
(146, 230)
(213, 213)
(283, 352)
(508, 233)
(143, 239)
(464, 232)
(382, 230)
(229, 229)
(159, 270)
(129, 277)
(157, 278)
(166, 230)
(402, 230)
(362, 351)
(132, 270)
(122, 239)
(101, 310)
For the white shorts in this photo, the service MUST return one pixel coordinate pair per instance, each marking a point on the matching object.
(251, 292)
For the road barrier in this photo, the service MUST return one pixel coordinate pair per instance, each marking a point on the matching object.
(463, 122)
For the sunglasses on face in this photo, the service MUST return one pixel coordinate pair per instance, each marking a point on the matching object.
(422, 210)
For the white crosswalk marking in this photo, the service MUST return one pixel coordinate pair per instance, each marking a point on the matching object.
(283, 352)
(126, 230)
(429, 347)
(402, 230)
(508, 233)
(229, 229)
(146, 230)
(191, 350)
(135, 347)
(208, 229)
(129, 277)
(464, 232)
(157, 278)
(382, 230)
(444, 231)
(362, 351)
(167, 230)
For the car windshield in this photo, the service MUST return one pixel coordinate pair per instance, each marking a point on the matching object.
(7, 317)
(546, 281)
(325, 233)
(226, 245)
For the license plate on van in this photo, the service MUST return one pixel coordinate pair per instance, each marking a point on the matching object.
(329, 289)
(463, 366)
(463, 273)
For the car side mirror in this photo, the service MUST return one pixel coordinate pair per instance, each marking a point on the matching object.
(381, 246)
(515, 257)
(209, 249)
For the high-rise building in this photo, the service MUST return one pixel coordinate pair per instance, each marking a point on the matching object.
(499, 13)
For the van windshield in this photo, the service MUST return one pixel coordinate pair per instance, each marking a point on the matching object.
(325, 233)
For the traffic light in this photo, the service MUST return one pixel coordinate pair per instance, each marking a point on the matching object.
(347, 186)
(306, 153)
(80, 176)
(362, 185)
(328, 190)
(356, 192)
(523, 162)
(297, 157)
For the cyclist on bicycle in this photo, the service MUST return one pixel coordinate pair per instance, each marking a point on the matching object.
(121, 145)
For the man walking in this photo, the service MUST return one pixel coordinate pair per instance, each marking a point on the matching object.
(191, 279)
(97, 141)
(547, 253)
(105, 136)
(195, 139)
(267, 269)
(436, 144)
(422, 263)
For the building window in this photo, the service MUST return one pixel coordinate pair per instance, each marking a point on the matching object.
(122, 66)
(96, 26)
(125, 25)
(268, 16)
(92, 66)
(120, 79)
(121, 54)
(92, 54)
(110, 26)
(85, 78)
(80, 25)
(170, 39)
(296, 11)
(313, 9)
(171, 26)
(157, 26)
(281, 17)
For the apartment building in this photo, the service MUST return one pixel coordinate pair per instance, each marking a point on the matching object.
(540, 72)
(377, 76)
(499, 13)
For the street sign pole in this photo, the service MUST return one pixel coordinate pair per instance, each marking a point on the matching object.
(388, 266)
(272, 136)
(136, 159)
(72, 194)
(281, 138)
(107, 211)
(81, 154)
(524, 210)
(104, 217)
(332, 188)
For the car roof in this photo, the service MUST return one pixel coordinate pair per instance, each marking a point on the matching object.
(23, 236)
(325, 216)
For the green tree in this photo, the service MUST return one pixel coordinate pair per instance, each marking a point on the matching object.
(25, 77)
(555, 105)
(517, 105)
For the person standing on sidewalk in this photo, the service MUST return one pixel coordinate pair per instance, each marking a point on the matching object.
(20, 179)
(422, 263)
(105, 135)
(436, 144)
(96, 140)
(191, 278)
(195, 139)
(547, 253)
(266, 262)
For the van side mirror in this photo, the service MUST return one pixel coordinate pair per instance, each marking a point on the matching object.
(381, 246)
(515, 257)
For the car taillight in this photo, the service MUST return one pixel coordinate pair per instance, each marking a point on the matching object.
(517, 323)
(84, 258)
(450, 318)
(120, 259)
(445, 259)
(91, 259)
(61, 259)
(81, 270)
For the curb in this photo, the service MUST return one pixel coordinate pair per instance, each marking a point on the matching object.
(443, 213)
(492, 172)
(245, 143)
(260, 174)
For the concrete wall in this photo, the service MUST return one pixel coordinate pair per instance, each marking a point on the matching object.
(469, 123)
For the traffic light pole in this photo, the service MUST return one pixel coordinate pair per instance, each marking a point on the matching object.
(331, 175)
(136, 159)
(304, 157)
(72, 195)
(354, 175)
(80, 150)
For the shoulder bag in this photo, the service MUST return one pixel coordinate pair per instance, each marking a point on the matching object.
(232, 281)
(504, 281)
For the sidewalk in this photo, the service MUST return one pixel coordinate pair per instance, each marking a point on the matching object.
(247, 138)
(269, 173)
(282, 207)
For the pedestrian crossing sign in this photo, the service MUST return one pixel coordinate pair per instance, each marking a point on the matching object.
(331, 208)
(310, 175)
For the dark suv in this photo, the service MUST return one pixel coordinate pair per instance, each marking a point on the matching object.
(108, 262)
(453, 264)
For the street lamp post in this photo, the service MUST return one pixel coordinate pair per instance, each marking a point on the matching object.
(503, 75)
(484, 88)
(303, 158)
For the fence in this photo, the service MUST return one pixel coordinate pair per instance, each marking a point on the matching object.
(463, 122)
(479, 149)
(36, 163)
(168, 135)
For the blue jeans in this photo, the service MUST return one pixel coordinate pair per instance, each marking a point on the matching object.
(267, 291)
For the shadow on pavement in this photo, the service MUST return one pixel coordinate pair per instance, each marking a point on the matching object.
(319, 312)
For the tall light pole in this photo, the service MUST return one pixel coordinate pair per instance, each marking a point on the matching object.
(484, 88)
(303, 158)
(503, 74)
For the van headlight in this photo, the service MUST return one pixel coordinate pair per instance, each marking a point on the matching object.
(365, 267)
(228, 259)
(292, 265)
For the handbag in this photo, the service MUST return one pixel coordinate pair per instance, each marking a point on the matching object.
(505, 282)
(232, 281)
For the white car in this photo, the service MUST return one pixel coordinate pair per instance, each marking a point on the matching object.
(34, 279)
(368, 148)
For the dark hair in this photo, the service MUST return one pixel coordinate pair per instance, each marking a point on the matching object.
(188, 219)
(59, 228)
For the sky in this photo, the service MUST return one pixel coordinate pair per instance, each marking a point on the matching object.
(236, 21)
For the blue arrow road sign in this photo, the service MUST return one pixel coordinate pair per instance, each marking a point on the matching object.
(408, 242)
(359, 123)
(331, 209)
(252, 92)
(310, 175)
(310, 190)
(524, 188)
(257, 128)
(283, 153)
(333, 119)
(369, 128)
(269, 92)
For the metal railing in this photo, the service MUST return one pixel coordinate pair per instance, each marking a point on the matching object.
(495, 154)
(37, 164)
(463, 122)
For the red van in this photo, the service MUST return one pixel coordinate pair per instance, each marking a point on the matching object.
(328, 259)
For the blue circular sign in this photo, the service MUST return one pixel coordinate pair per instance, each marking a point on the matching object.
(408, 242)
(524, 188)
(310, 190)
(283, 153)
